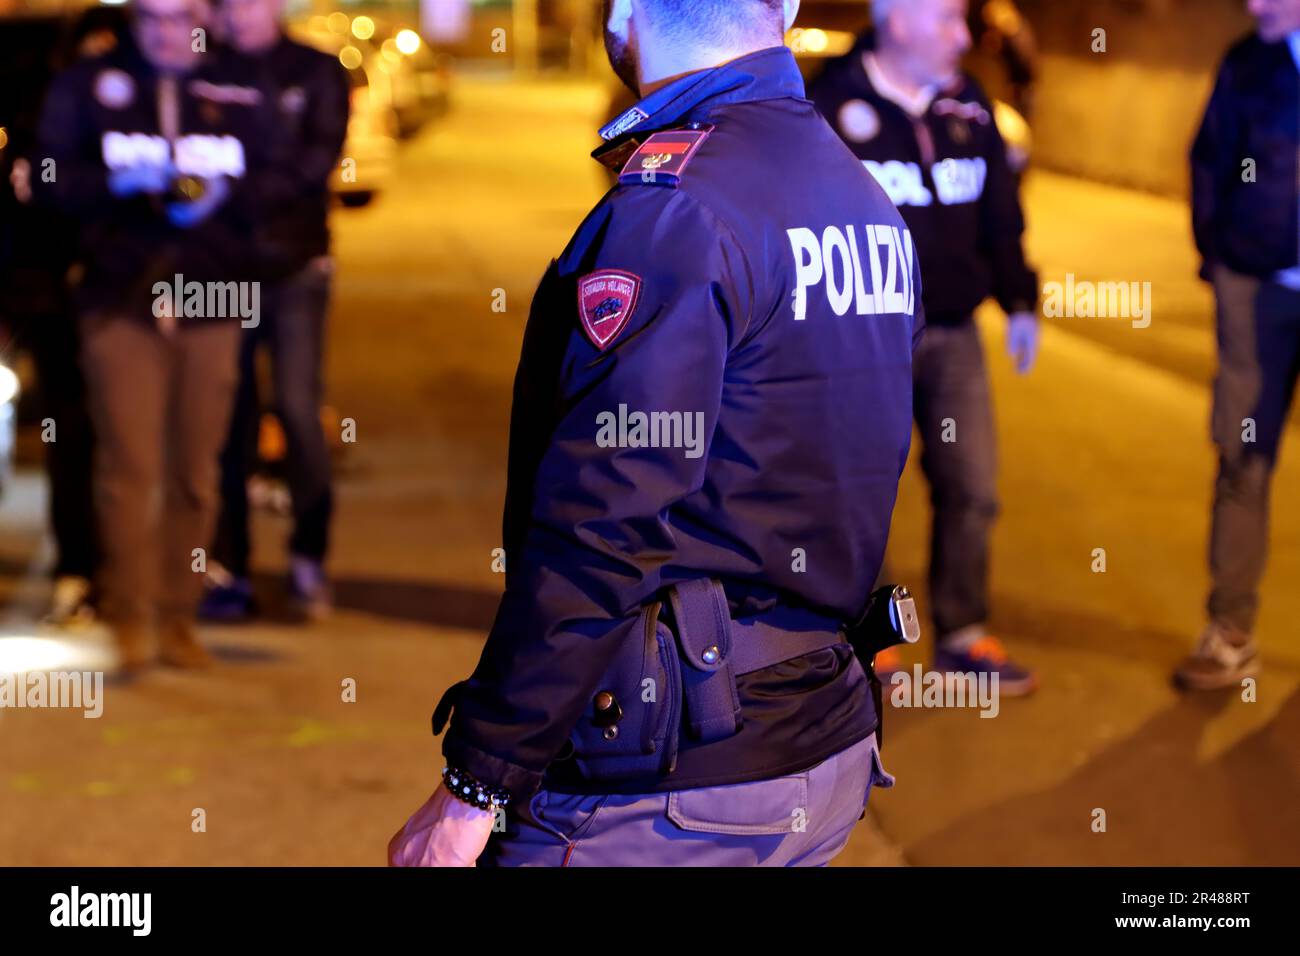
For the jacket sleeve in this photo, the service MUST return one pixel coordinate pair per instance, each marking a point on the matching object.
(598, 535)
(1213, 151)
(1015, 284)
(78, 180)
(301, 164)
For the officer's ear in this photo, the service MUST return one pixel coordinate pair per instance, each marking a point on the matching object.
(791, 11)
(620, 18)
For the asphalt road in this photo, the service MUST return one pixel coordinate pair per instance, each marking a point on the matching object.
(1104, 446)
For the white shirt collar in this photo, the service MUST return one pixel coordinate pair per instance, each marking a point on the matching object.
(914, 104)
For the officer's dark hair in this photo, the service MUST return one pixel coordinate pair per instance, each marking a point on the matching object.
(717, 21)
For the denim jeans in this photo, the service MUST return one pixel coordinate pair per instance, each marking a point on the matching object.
(292, 326)
(801, 819)
(954, 414)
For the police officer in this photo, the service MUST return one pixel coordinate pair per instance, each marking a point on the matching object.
(926, 132)
(1246, 229)
(310, 97)
(711, 414)
(154, 148)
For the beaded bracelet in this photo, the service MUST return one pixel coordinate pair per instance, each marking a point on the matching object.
(468, 790)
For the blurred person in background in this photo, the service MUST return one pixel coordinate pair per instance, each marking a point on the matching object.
(1006, 60)
(40, 245)
(292, 243)
(1246, 219)
(155, 147)
(926, 132)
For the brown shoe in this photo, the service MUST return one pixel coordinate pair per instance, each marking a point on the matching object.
(179, 646)
(1224, 656)
(135, 652)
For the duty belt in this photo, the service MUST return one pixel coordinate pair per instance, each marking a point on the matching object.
(668, 680)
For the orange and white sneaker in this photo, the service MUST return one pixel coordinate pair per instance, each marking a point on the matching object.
(986, 654)
(887, 663)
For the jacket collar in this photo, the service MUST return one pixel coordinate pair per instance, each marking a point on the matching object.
(764, 75)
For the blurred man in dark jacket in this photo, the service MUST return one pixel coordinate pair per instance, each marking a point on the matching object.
(292, 243)
(38, 248)
(926, 132)
(1246, 219)
(154, 148)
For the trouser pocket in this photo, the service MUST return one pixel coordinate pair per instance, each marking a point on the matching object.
(777, 806)
(878, 776)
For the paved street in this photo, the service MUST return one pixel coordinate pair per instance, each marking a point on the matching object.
(1104, 446)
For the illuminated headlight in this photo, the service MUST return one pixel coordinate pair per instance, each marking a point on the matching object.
(8, 385)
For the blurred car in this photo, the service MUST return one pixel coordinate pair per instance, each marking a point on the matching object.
(421, 77)
(418, 79)
(371, 143)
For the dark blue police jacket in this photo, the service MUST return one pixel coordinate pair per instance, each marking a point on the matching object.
(715, 382)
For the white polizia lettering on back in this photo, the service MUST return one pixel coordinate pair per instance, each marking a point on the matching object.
(956, 181)
(842, 265)
(959, 180)
(197, 154)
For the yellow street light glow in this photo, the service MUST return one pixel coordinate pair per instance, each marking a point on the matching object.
(814, 40)
(350, 57)
(408, 41)
(363, 28)
(337, 22)
(4, 137)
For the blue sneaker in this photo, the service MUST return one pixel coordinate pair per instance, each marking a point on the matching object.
(226, 598)
(986, 654)
(309, 588)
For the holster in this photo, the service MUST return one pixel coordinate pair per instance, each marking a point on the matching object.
(683, 681)
(675, 674)
(889, 619)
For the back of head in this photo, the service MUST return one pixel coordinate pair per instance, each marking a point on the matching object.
(718, 23)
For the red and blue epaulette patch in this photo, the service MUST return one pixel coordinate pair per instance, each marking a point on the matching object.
(661, 159)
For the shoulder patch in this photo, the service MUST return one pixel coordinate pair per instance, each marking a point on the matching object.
(114, 89)
(606, 300)
(661, 159)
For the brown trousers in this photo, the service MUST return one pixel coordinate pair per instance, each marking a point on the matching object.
(1258, 326)
(161, 407)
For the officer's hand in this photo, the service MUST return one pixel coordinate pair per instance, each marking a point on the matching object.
(184, 215)
(133, 180)
(1022, 340)
(20, 178)
(443, 832)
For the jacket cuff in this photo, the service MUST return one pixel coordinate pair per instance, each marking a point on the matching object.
(520, 782)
